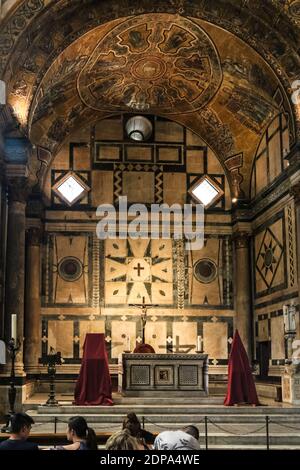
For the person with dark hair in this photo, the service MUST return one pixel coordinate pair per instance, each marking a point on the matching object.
(192, 431)
(133, 426)
(20, 424)
(183, 439)
(81, 436)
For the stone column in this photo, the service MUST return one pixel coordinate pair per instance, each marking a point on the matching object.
(15, 267)
(243, 289)
(3, 237)
(32, 301)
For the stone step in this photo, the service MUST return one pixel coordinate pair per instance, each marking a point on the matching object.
(215, 438)
(132, 401)
(167, 409)
(170, 418)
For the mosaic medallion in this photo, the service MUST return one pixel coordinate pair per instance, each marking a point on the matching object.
(167, 64)
(70, 269)
(205, 270)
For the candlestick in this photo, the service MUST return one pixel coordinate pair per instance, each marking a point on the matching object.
(14, 326)
(199, 343)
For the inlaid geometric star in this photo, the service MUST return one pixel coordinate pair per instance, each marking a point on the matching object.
(267, 253)
(269, 256)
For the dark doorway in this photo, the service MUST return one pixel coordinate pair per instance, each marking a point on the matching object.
(264, 349)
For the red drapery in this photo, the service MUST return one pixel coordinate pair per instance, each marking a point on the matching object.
(93, 385)
(241, 387)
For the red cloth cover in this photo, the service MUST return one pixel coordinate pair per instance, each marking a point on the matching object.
(241, 387)
(93, 385)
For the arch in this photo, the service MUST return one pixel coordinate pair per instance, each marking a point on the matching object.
(277, 47)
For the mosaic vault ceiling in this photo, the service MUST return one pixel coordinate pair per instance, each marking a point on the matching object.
(168, 66)
(211, 66)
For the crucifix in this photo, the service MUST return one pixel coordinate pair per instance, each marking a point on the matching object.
(139, 268)
(144, 307)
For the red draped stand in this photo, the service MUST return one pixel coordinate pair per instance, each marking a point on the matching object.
(241, 386)
(93, 385)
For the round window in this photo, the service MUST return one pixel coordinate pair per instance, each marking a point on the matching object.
(70, 268)
(205, 270)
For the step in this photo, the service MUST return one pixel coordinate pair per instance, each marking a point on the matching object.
(132, 401)
(169, 418)
(167, 409)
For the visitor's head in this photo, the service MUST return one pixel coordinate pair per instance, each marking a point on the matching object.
(20, 424)
(192, 431)
(122, 440)
(132, 424)
(79, 430)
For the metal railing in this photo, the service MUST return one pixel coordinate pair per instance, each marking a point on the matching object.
(206, 421)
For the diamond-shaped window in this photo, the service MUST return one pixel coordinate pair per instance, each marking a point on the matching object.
(206, 191)
(71, 188)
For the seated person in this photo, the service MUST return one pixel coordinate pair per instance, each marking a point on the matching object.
(133, 425)
(122, 440)
(81, 436)
(20, 424)
(185, 439)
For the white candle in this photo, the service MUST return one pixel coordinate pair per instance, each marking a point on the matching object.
(14, 326)
(199, 343)
(128, 343)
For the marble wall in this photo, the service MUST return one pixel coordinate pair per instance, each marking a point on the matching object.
(275, 277)
(91, 285)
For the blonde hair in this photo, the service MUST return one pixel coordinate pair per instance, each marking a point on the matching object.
(122, 440)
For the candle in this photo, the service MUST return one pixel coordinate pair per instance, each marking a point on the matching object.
(199, 343)
(14, 326)
(128, 343)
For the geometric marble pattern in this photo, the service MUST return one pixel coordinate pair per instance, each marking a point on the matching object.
(269, 257)
(137, 269)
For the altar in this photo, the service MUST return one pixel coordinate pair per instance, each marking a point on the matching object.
(157, 374)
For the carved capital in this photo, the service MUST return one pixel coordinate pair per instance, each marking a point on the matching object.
(241, 239)
(295, 192)
(19, 189)
(34, 236)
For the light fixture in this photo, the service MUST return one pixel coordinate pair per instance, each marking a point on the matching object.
(138, 128)
(206, 191)
(234, 200)
(70, 188)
